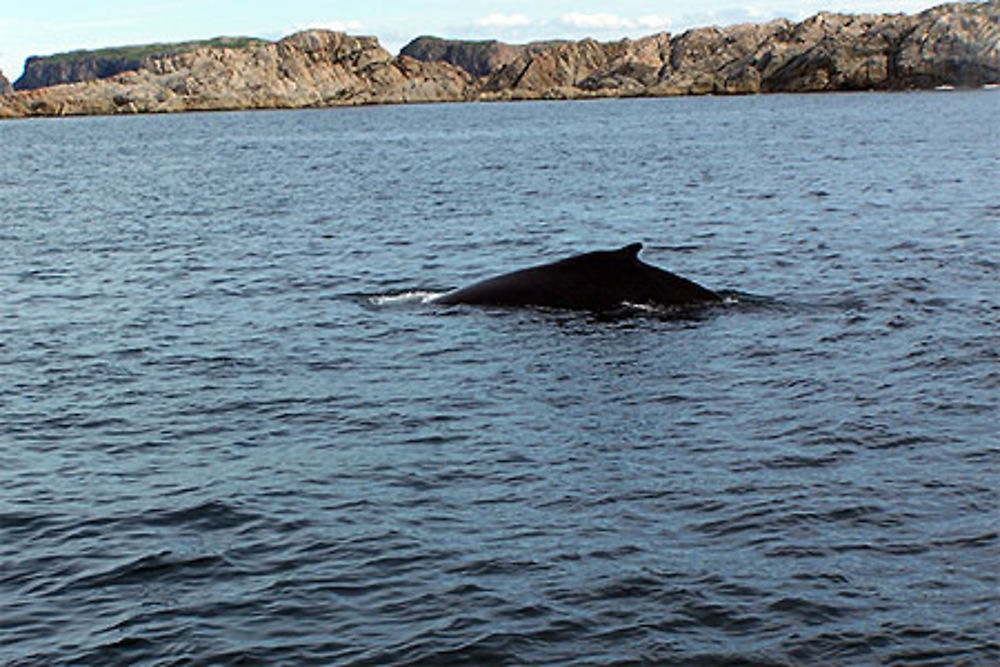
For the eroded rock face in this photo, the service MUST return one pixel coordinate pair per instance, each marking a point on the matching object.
(8, 108)
(957, 44)
(628, 66)
(477, 58)
(309, 69)
(41, 73)
(949, 45)
(73, 67)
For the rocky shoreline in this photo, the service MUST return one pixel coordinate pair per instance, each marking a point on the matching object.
(950, 45)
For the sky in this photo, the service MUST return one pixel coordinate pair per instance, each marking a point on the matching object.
(43, 27)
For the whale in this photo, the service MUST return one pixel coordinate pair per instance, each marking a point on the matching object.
(598, 281)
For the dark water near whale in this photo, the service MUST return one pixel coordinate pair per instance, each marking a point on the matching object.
(232, 433)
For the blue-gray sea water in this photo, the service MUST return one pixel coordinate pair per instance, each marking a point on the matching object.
(232, 431)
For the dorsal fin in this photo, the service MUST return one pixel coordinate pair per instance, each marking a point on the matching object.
(631, 251)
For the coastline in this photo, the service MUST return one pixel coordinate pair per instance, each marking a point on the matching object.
(950, 46)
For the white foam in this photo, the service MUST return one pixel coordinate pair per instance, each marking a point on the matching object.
(643, 307)
(414, 296)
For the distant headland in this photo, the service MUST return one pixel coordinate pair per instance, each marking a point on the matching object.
(950, 45)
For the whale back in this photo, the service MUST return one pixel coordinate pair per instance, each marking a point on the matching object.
(599, 281)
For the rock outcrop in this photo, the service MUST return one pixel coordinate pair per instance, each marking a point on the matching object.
(579, 68)
(315, 68)
(45, 71)
(5, 88)
(954, 45)
(477, 58)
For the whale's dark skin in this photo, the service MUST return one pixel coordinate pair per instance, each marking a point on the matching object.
(600, 281)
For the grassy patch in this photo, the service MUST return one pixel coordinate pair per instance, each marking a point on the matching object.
(139, 51)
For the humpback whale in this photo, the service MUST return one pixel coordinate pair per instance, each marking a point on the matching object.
(600, 281)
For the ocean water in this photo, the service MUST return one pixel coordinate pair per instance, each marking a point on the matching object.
(233, 430)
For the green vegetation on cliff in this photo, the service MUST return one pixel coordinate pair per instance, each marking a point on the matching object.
(91, 64)
(159, 50)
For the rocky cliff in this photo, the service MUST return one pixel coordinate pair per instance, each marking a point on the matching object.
(44, 71)
(955, 44)
(477, 58)
(4, 84)
(309, 69)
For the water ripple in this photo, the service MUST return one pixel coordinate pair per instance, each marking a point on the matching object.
(233, 431)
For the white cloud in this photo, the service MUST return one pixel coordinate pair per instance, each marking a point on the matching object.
(598, 21)
(654, 21)
(602, 21)
(504, 21)
(337, 26)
